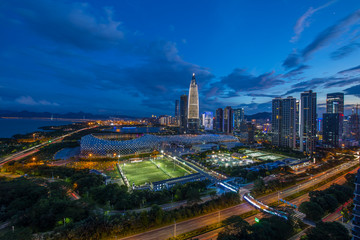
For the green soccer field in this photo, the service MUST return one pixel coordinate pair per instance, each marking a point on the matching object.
(146, 171)
(168, 165)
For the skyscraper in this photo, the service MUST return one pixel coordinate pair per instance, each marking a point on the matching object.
(219, 120)
(356, 210)
(238, 117)
(332, 129)
(207, 120)
(177, 109)
(284, 122)
(308, 122)
(177, 112)
(276, 121)
(193, 106)
(228, 119)
(335, 103)
(333, 120)
(183, 113)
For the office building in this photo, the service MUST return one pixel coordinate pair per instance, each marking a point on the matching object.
(193, 106)
(183, 113)
(308, 122)
(335, 103)
(332, 129)
(228, 120)
(238, 117)
(207, 120)
(333, 120)
(219, 120)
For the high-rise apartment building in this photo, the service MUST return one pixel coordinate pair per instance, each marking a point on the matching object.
(356, 210)
(177, 112)
(183, 113)
(308, 122)
(238, 117)
(284, 122)
(228, 120)
(193, 107)
(177, 109)
(219, 120)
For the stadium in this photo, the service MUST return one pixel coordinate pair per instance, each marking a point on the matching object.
(110, 145)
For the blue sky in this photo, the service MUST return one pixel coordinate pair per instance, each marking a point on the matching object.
(137, 57)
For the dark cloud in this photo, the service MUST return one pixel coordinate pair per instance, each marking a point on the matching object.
(297, 71)
(344, 51)
(293, 60)
(354, 90)
(351, 70)
(252, 108)
(241, 81)
(262, 95)
(75, 24)
(322, 40)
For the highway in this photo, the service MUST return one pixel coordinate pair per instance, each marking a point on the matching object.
(31, 150)
(202, 221)
(297, 201)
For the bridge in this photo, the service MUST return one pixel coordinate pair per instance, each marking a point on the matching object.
(263, 207)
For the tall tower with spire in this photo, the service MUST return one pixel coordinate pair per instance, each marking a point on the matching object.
(193, 106)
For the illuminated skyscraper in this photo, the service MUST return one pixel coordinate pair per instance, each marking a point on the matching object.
(183, 113)
(219, 120)
(333, 120)
(284, 122)
(228, 119)
(308, 122)
(238, 117)
(193, 106)
(335, 103)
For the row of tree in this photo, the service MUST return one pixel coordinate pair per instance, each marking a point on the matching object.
(326, 201)
(277, 228)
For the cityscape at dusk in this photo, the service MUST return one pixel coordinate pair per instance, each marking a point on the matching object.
(175, 120)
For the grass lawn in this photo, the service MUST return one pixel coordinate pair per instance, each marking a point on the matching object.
(142, 172)
(146, 171)
(168, 166)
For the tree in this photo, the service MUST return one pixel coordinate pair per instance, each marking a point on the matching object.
(328, 231)
(259, 185)
(237, 229)
(312, 210)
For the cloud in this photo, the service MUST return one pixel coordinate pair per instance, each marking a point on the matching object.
(354, 90)
(344, 51)
(297, 71)
(322, 40)
(241, 81)
(303, 21)
(27, 100)
(351, 70)
(292, 60)
(74, 24)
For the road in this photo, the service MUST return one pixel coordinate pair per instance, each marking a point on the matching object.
(202, 221)
(29, 151)
(297, 201)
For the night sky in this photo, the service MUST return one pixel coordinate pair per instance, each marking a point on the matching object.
(136, 57)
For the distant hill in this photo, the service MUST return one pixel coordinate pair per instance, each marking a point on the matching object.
(257, 116)
(70, 115)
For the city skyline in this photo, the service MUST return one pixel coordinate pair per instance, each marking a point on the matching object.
(60, 56)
